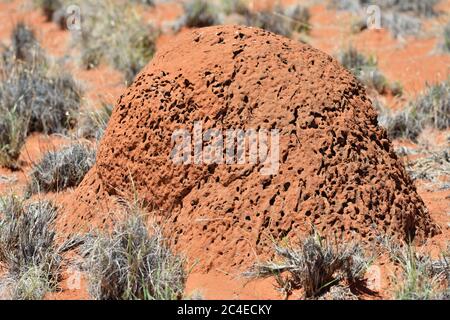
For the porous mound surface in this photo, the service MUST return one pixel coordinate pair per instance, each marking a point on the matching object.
(338, 171)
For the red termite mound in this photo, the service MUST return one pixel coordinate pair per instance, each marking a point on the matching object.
(338, 171)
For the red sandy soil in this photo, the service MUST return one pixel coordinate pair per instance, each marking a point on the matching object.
(413, 63)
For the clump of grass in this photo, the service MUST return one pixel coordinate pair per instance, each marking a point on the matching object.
(34, 96)
(133, 263)
(315, 266)
(48, 101)
(299, 17)
(199, 14)
(24, 48)
(49, 7)
(27, 248)
(239, 7)
(423, 8)
(417, 281)
(431, 168)
(282, 21)
(420, 277)
(447, 37)
(117, 36)
(366, 70)
(269, 21)
(444, 44)
(62, 169)
(431, 109)
(93, 124)
(13, 132)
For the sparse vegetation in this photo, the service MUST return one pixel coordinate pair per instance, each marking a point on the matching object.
(365, 69)
(131, 263)
(239, 7)
(49, 7)
(282, 20)
(315, 266)
(59, 170)
(425, 8)
(431, 168)
(117, 36)
(445, 42)
(401, 25)
(34, 97)
(48, 101)
(402, 18)
(431, 109)
(92, 124)
(24, 49)
(27, 249)
(420, 277)
(13, 132)
(199, 14)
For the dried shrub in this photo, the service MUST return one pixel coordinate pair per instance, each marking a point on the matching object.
(27, 248)
(133, 263)
(62, 169)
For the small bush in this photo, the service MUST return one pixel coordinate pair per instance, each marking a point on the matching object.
(431, 168)
(269, 21)
(315, 265)
(27, 248)
(49, 7)
(282, 21)
(117, 36)
(59, 170)
(444, 45)
(24, 48)
(354, 61)
(131, 263)
(30, 89)
(50, 102)
(365, 69)
(424, 8)
(93, 124)
(13, 132)
(431, 109)
(299, 18)
(420, 277)
(199, 14)
(401, 25)
(239, 7)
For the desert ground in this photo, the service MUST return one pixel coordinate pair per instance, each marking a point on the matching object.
(93, 95)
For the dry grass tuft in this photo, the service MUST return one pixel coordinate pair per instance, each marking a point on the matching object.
(27, 249)
(315, 266)
(133, 263)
